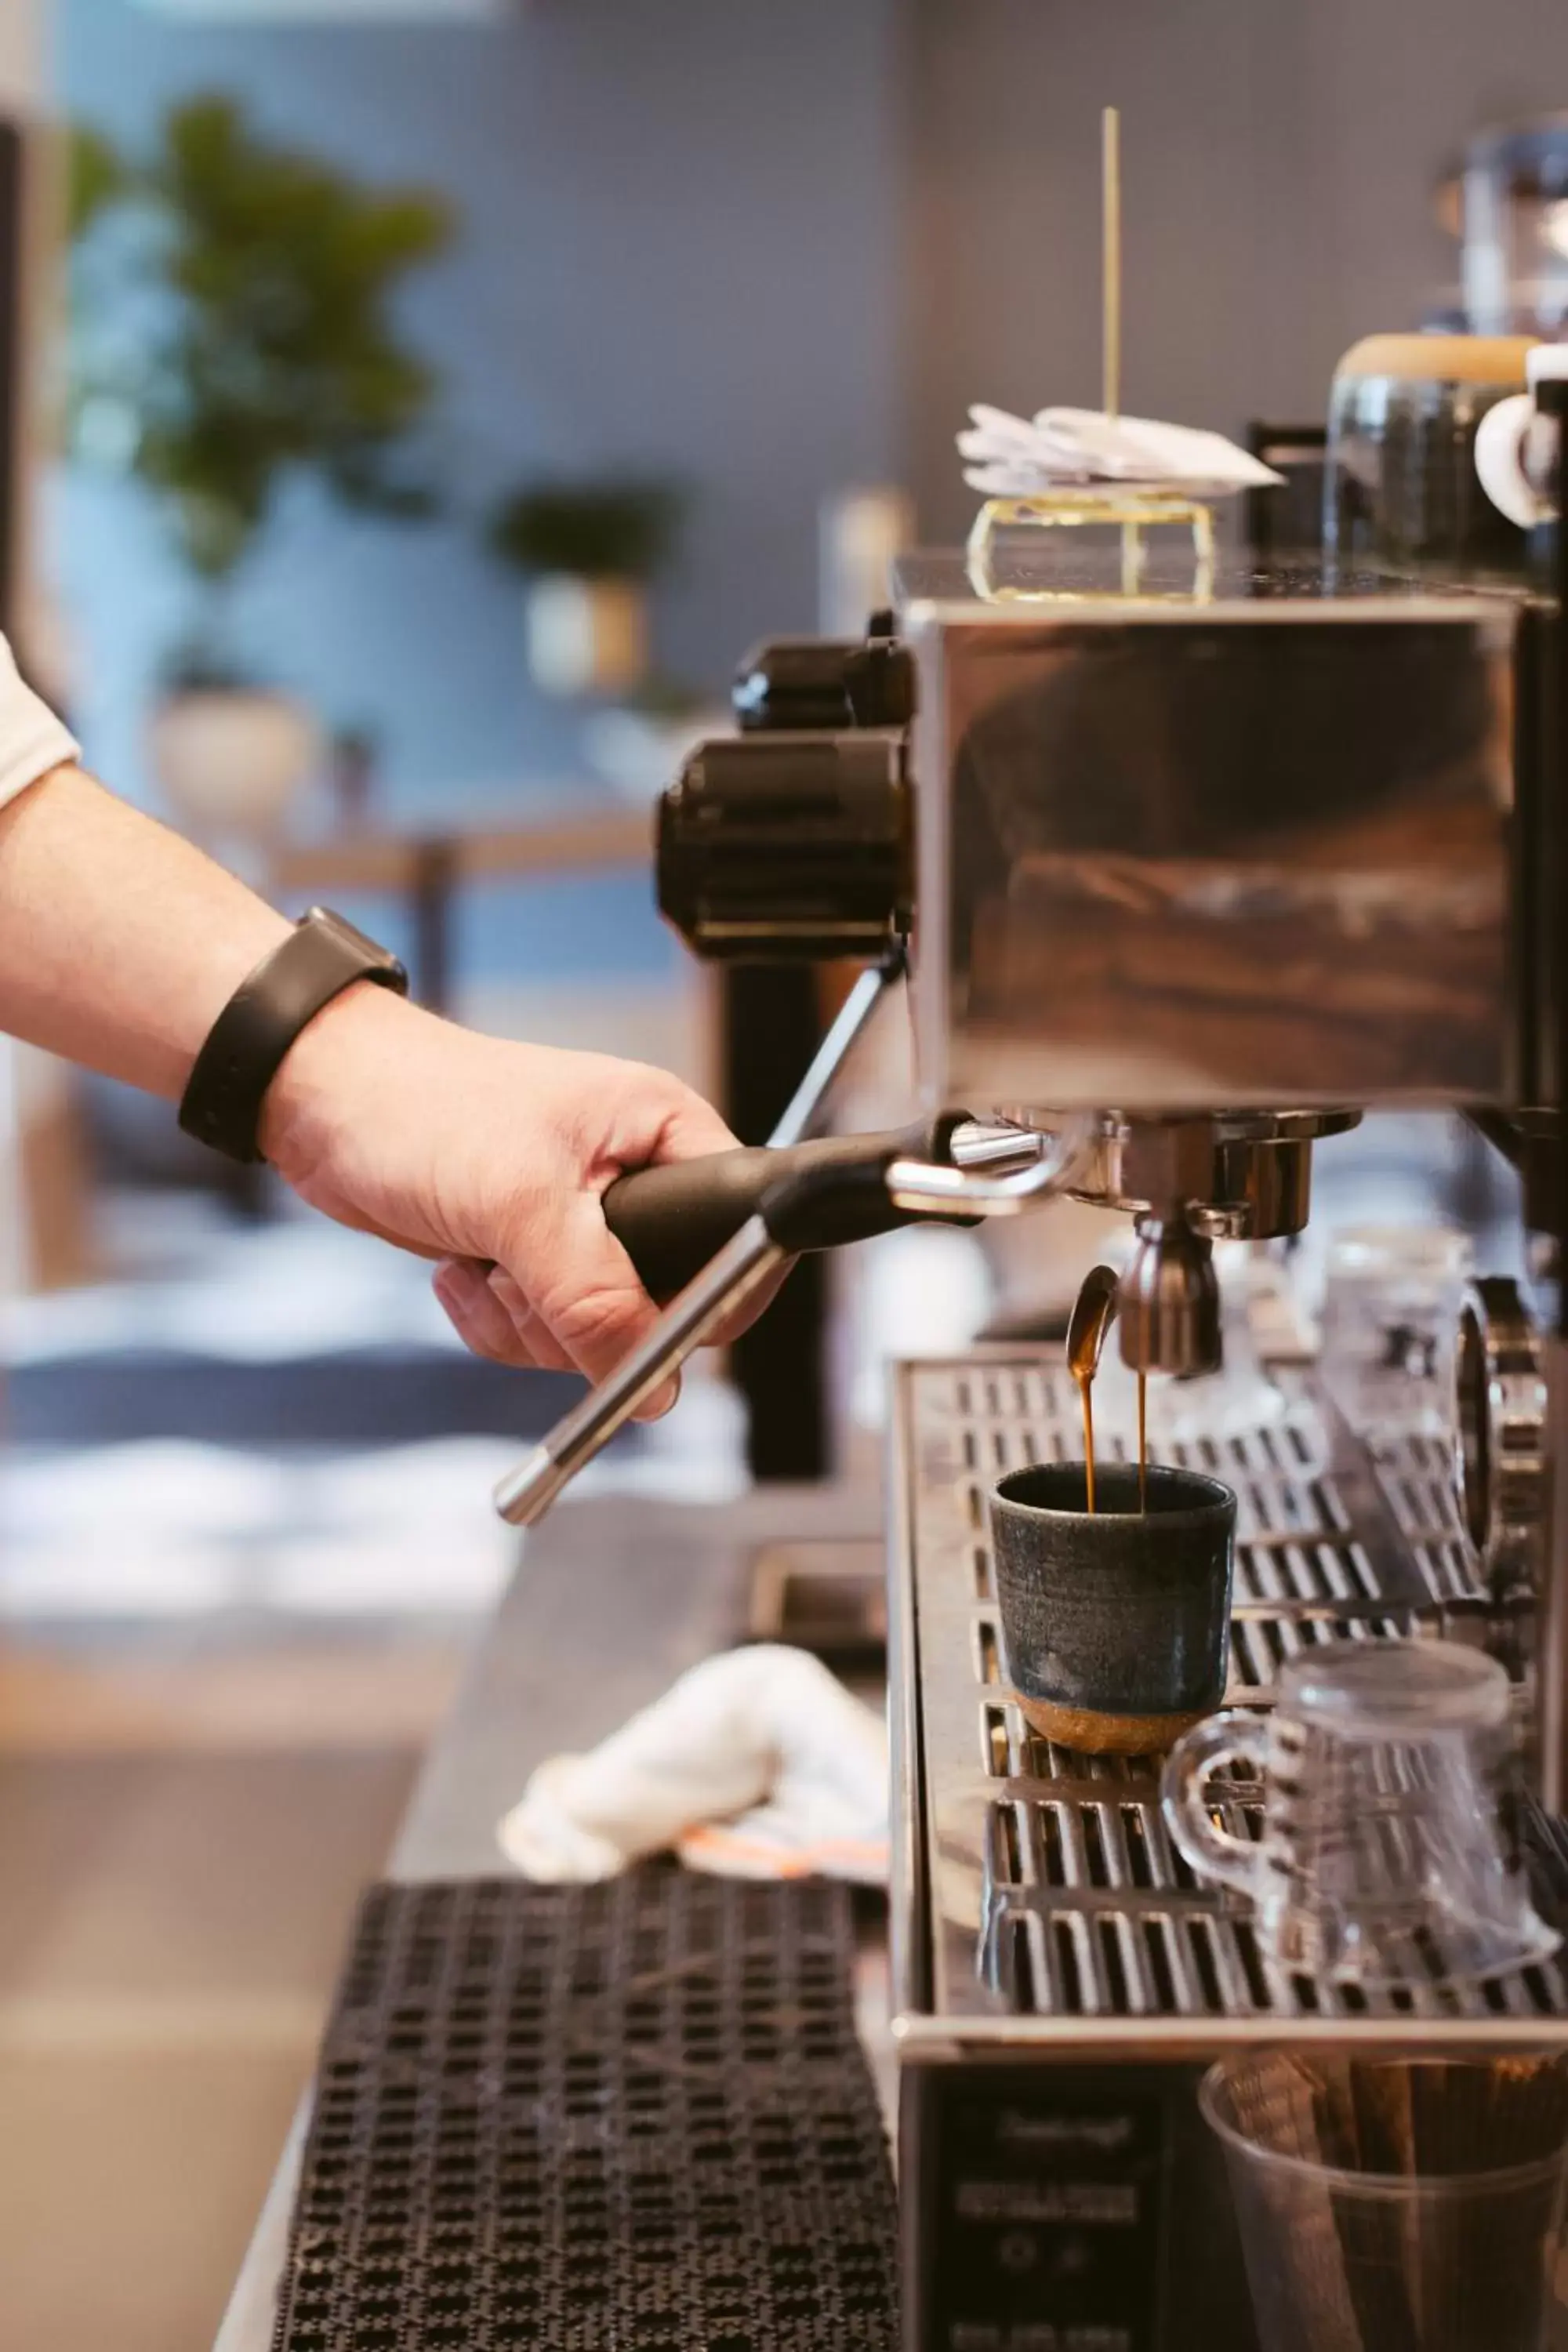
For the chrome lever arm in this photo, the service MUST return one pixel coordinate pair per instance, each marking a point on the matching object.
(750, 1260)
(722, 1288)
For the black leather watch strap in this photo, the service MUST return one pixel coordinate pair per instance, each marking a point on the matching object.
(241, 1054)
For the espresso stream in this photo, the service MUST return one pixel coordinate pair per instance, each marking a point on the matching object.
(1094, 1311)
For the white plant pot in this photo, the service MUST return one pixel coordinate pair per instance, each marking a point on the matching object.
(586, 636)
(233, 760)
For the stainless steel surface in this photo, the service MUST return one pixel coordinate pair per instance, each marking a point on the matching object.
(616, 1597)
(1016, 1169)
(1248, 851)
(742, 1268)
(853, 1016)
(1500, 1407)
(1038, 1906)
(996, 1148)
(1168, 1300)
(1237, 1175)
(1550, 1638)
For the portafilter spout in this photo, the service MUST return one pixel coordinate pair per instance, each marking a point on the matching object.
(1168, 1300)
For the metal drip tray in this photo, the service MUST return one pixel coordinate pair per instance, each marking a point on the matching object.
(1044, 1901)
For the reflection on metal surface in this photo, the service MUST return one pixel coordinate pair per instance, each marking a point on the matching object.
(1552, 1624)
(804, 1107)
(743, 1267)
(1239, 1175)
(1255, 855)
(1169, 1301)
(1008, 1172)
(1055, 1908)
(1501, 1404)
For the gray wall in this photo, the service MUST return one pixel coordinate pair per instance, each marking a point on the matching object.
(1278, 158)
(777, 248)
(678, 254)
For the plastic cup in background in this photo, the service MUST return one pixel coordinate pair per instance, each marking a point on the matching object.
(1394, 2206)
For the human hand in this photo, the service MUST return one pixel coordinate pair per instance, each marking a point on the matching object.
(491, 1157)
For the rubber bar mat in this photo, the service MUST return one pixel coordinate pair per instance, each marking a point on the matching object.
(632, 2118)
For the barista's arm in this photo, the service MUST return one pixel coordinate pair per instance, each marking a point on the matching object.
(120, 944)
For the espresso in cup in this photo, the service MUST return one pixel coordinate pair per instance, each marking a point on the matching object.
(1115, 1622)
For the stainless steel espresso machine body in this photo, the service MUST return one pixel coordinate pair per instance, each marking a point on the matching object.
(1062, 1979)
(1216, 876)
(1190, 877)
(1251, 854)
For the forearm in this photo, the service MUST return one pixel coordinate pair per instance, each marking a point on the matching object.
(119, 946)
(120, 943)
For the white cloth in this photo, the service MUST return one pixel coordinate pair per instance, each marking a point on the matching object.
(32, 739)
(757, 1764)
(1062, 449)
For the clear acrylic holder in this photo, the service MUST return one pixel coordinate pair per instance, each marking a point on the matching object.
(1132, 512)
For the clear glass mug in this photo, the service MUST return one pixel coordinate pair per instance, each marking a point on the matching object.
(1399, 485)
(1390, 1851)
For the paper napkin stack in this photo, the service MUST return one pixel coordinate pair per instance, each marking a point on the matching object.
(1080, 448)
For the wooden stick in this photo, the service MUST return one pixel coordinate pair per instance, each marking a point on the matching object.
(1110, 202)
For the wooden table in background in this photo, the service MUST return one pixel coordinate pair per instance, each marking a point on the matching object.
(428, 869)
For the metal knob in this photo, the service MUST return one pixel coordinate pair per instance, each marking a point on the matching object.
(1500, 1396)
(1168, 1301)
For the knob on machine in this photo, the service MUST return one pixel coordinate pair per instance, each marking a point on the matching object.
(792, 841)
(1499, 1418)
(816, 684)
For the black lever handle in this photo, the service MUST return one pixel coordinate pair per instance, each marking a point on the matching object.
(672, 1220)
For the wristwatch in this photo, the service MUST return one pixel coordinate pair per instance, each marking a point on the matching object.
(241, 1052)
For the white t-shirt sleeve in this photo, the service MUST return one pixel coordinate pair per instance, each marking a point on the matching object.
(32, 739)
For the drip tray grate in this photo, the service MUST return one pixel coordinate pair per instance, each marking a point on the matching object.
(1092, 1911)
(1056, 1891)
(633, 2116)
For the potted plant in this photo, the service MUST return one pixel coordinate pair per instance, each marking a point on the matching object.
(588, 552)
(231, 331)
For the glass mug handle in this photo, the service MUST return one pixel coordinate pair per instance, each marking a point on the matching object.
(1219, 1739)
(1499, 460)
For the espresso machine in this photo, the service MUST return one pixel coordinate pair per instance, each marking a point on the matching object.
(1183, 880)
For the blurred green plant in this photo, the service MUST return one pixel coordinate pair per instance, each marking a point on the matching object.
(609, 530)
(232, 327)
(662, 696)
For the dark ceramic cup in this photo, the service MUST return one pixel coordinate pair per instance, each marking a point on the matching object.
(1114, 1623)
